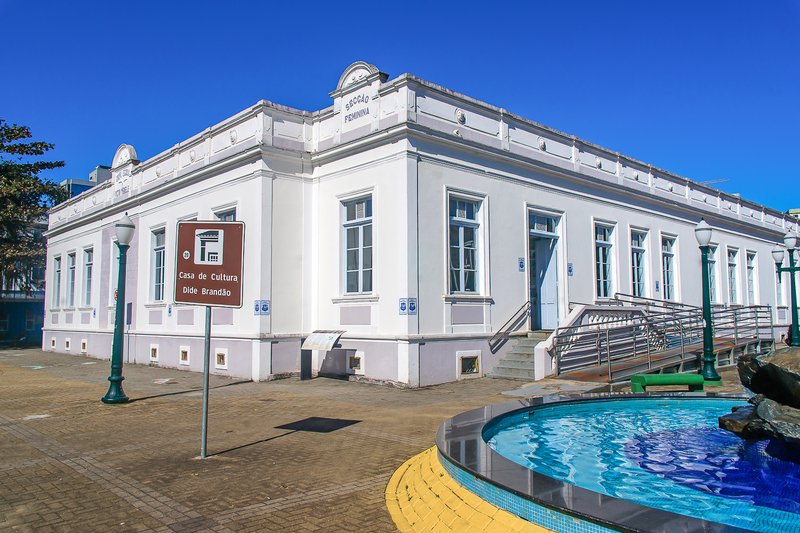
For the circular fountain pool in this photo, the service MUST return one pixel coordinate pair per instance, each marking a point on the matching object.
(632, 462)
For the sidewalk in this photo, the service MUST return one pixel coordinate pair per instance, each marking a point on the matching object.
(284, 455)
(69, 462)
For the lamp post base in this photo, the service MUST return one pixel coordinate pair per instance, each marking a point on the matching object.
(713, 382)
(709, 374)
(115, 393)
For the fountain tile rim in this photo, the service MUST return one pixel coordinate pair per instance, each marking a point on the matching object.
(584, 504)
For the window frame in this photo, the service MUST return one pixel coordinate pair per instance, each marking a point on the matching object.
(751, 275)
(461, 224)
(713, 278)
(608, 244)
(363, 225)
(640, 250)
(72, 268)
(57, 263)
(733, 280)
(669, 268)
(224, 214)
(88, 274)
(158, 285)
(114, 271)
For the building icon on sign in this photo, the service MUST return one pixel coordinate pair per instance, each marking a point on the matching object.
(208, 246)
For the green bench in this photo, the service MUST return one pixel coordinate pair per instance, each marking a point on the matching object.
(640, 382)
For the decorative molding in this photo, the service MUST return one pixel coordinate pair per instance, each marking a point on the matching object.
(542, 144)
(461, 117)
(467, 298)
(124, 155)
(358, 72)
(356, 298)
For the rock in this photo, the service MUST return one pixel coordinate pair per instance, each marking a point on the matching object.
(774, 411)
(739, 419)
(775, 375)
(755, 400)
(748, 366)
(781, 421)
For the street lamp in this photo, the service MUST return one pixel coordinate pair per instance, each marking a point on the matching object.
(702, 233)
(790, 240)
(124, 230)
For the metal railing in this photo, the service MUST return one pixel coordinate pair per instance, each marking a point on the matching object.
(651, 303)
(742, 330)
(517, 320)
(658, 340)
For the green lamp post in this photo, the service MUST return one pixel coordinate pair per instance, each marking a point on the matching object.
(702, 233)
(790, 240)
(124, 230)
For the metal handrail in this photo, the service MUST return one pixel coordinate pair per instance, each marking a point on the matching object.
(501, 337)
(641, 300)
(681, 329)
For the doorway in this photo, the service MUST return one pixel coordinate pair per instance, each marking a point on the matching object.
(543, 270)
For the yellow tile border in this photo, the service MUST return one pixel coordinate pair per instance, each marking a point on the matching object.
(422, 497)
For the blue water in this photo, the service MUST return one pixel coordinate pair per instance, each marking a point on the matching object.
(663, 453)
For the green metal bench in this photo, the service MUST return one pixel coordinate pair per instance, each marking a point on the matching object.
(640, 382)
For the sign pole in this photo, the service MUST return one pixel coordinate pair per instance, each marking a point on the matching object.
(206, 358)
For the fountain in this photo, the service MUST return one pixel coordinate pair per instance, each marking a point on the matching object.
(774, 412)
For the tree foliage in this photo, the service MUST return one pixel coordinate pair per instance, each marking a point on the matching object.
(25, 198)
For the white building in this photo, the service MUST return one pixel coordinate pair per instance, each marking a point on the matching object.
(416, 219)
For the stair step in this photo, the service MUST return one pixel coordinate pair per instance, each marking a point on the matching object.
(526, 342)
(512, 373)
(517, 357)
(505, 363)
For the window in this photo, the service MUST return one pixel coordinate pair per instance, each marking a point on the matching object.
(469, 363)
(3, 321)
(638, 262)
(88, 264)
(542, 224)
(779, 288)
(30, 321)
(733, 295)
(668, 267)
(358, 245)
(602, 259)
(71, 280)
(229, 215)
(56, 281)
(114, 273)
(158, 265)
(712, 272)
(183, 356)
(221, 358)
(154, 352)
(751, 278)
(463, 245)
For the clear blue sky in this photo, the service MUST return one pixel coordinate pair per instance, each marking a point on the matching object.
(707, 89)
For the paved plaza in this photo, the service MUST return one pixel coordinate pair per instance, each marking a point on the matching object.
(284, 455)
(69, 462)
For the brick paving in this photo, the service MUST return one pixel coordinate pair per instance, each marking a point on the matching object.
(70, 463)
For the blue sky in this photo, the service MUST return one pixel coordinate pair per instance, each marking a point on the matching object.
(707, 89)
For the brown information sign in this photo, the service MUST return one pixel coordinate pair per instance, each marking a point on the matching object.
(208, 267)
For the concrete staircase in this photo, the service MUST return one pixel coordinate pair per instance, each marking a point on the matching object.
(518, 362)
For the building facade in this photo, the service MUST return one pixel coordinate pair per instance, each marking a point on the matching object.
(415, 219)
